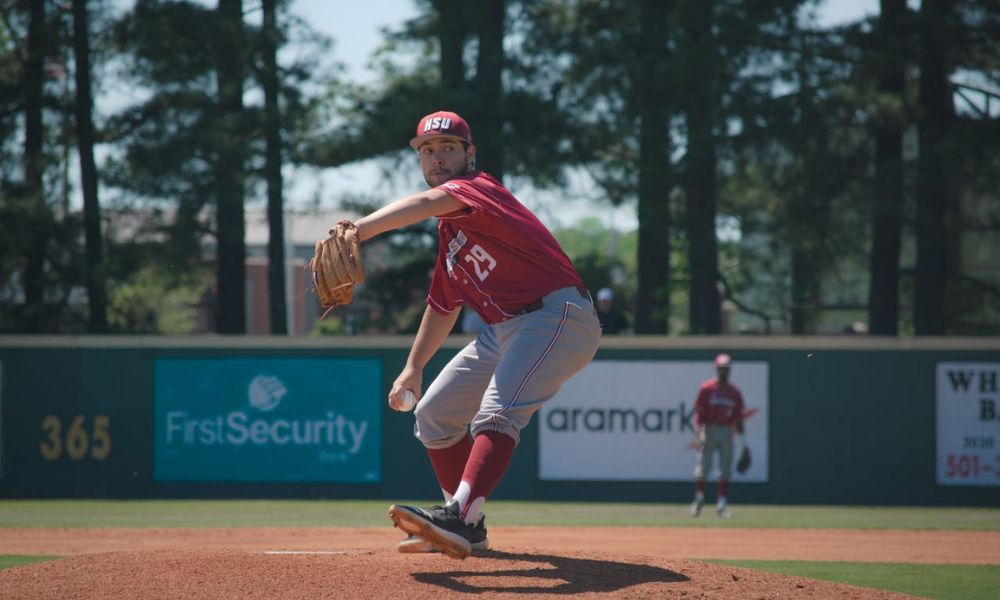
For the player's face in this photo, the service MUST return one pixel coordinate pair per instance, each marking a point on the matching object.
(723, 374)
(442, 159)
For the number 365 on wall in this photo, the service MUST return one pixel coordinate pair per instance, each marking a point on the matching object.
(76, 439)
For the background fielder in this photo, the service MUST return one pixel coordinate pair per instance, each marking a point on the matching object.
(718, 415)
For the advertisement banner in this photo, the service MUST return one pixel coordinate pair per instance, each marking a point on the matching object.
(634, 421)
(268, 420)
(968, 423)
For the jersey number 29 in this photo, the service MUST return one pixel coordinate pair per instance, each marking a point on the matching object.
(481, 261)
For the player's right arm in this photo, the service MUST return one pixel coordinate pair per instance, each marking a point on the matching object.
(434, 329)
(407, 211)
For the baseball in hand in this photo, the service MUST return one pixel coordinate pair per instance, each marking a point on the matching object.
(409, 400)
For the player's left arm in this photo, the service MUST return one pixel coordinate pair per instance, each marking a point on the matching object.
(407, 211)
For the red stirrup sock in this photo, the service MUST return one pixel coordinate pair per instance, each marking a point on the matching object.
(488, 461)
(449, 463)
(723, 488)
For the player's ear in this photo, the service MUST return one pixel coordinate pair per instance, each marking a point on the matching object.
(470, 157)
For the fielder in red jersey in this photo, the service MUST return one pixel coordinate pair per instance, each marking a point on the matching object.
(498, 258)
(718, 413)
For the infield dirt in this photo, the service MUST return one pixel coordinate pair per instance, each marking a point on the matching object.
(526, 562)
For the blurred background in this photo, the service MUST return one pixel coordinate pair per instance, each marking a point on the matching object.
(711, 166)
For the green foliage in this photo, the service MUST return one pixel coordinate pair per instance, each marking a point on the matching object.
(329, 325)
(795, 106)
(158, 299)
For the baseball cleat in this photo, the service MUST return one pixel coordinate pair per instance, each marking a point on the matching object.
(415, 545)
(442, 527)
(720, 509)
(696, 508)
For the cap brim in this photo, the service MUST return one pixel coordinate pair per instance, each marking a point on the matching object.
(421, 139)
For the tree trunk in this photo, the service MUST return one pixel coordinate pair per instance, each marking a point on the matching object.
(231, 250)
(805, 287)
(934, 186)
(887, 217)
(489, 90)
(652, 309)
(272, 172)
(808, 204)
(704, 315)
(33, 280)
(451, 37)
(96, 291)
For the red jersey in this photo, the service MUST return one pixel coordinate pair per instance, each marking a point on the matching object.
(494, 254)
(718, 404)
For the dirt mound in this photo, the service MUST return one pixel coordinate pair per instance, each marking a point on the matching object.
(383, 573)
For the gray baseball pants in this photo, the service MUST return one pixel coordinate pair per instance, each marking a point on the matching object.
(500, 379)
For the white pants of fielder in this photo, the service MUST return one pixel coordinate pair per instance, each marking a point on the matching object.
(718, 438)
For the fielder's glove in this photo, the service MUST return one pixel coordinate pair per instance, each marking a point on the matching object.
(743, 464)
(336, 266)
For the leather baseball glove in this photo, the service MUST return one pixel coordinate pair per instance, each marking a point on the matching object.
(744, 461)
(336, 266)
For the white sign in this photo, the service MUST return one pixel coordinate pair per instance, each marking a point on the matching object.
(968, 424)
(634, 421)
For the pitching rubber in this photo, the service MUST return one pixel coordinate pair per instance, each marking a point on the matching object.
(450, 544)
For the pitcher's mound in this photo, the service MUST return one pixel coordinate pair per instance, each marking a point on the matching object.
(377, 574)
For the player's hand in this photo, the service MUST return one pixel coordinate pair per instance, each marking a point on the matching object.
(700, 439)
(409, 379)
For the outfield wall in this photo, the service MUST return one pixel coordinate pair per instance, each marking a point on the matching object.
(846, 420)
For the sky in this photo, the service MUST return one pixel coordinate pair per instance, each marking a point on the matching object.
(357, 34)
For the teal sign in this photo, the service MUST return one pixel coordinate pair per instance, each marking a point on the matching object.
(261, 419)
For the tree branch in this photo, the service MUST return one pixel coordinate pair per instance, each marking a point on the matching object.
(728, 295)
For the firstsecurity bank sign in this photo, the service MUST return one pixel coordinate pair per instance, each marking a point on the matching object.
(256, 419)
(634, 421)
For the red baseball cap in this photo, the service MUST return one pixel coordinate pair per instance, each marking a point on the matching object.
(441, 124)
(723, 360)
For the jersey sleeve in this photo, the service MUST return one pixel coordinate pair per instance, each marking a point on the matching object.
(466, 192)
(740, 408)
(700, 405)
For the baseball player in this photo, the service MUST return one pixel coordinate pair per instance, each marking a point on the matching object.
(718, 414)
(498, 259)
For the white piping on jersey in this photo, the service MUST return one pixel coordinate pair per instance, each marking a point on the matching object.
(538, 363)
(480, 290)
(431, 300)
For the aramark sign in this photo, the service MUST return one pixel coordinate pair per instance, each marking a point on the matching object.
(256, 419)
(634, 421)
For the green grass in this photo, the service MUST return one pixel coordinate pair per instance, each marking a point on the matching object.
(16, 560)
(372, 513)
(941, 582)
